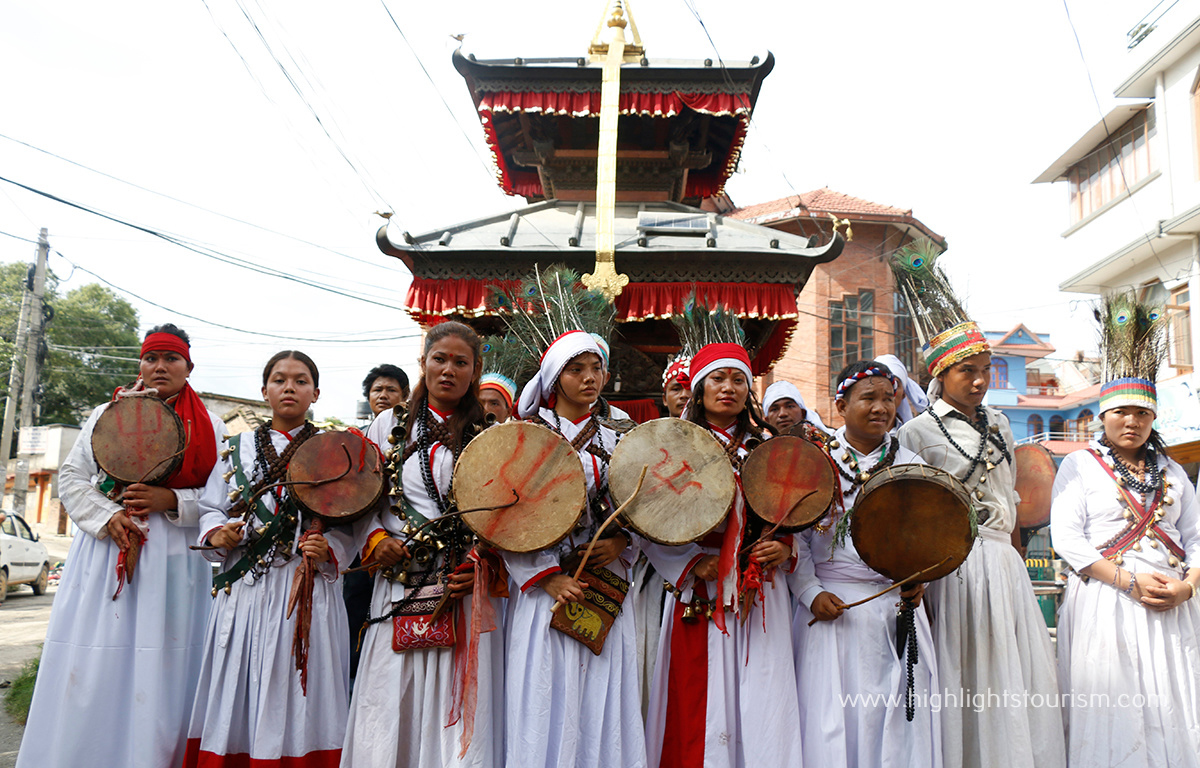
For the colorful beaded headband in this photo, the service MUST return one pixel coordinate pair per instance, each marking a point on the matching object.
(953, 346)
(850, 381)
(1132, 392)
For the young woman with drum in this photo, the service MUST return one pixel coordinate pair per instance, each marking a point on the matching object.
(429, 691)
(571, 704)
(724, 691)
(848, 653)
(118, 675)
(1125, 518)
(252, 705)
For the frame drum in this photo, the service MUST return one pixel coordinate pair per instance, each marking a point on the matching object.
(689, 482)
(790, 482)
(1035, 471)
(327, 455)
(540, 466)
(138, 439)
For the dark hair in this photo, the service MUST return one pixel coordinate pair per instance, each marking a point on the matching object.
(385, 371)
(292, 354)
(859, 367)
(469, 410)
(747, 420)
(172, 329)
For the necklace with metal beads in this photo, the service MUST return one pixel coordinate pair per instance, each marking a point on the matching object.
(1151, 478)
(425, 445)
(856, 477)
(988, 433)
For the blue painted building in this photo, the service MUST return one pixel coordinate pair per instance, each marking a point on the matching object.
(1048, 400)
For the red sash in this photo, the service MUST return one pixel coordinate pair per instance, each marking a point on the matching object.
(1143, 520)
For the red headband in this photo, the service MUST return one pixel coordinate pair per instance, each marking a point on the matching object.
(166, 342)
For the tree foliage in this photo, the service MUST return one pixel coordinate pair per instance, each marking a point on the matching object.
(89, 326)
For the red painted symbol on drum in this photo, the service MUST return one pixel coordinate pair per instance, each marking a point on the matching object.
(534, 491)
(670, 481)
(795, 482)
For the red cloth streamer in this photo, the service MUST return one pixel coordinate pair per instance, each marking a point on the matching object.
(127, 560)
(466, 655)
(727, 560)
(302, 596)
(200, 455)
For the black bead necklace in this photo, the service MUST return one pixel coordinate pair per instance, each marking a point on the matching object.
(1152, 482)
(986, 435)
(425, 446)
(857, 478)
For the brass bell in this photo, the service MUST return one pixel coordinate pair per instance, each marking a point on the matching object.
(1166, 483)
(689, 613)
(1120, 482)
(260, 530)
(991, 450)
(392, 439)
(994, 429)
(708, 614)
(1153, 544)
(990, 466)
(229, 588)
(228, 475)
(1168, 501)
(863, 477)
(225, 453)
(983, 479)
(233, 495)
(979, 494)
(1137, 546)
(227, 437)
(834, 444)
(1127, 514)
(214, 591)
(1118, 559)
(1172, 561)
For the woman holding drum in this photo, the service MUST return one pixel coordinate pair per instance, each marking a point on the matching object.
(847, 653)
(724, 691)
(1125, 518)
(253, 702)
(572, 690)
(429, 692)
(118, 675)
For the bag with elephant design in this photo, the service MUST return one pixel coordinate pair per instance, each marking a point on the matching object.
(589, 621)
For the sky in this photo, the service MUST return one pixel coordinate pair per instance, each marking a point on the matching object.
(268, 134)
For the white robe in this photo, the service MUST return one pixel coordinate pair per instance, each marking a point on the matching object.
(249, 700)
(125, 667)
(855, 654)
(749, 715)
(565, 706)
(994, 655)
(402, 701)
(1130, 675)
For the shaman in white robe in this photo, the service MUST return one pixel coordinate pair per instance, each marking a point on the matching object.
(723, 700)
(994, 655)
(126, 668)
(400, 712)
(249, 707)
(1130, 675)
(851, 681)
(566, 707)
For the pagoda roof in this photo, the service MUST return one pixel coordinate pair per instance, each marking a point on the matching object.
(668, 250)
(823, 202)
(682, 123)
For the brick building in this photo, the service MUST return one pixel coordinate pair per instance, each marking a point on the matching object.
(849, 309)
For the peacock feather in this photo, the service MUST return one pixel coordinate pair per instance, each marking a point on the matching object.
(927, 292)
(548, 303)
(1133, 336)
(698, 325)
(506, 356)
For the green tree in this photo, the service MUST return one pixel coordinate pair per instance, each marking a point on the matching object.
(89, 327)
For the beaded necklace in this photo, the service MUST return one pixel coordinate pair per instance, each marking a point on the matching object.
(1149, 480)
(857, 478)
(988, 433)
(425, 445)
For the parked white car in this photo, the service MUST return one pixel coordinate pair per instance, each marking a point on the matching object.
(23, 559)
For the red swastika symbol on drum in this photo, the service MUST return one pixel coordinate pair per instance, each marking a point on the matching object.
(669, 481)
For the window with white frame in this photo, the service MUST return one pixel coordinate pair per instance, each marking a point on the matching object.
(1118, 164)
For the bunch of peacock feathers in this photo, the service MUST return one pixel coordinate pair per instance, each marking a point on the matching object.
(549, 303)
(698, 325)
(506, 356)
(1133, 336)
(930, 298)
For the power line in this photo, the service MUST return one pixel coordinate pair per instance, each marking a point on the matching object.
(185, 202)
(200, 249)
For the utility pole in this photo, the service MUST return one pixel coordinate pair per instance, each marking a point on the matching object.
(32, 310)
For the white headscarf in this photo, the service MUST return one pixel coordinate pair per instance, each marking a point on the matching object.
(781, 390)
(914, 401)
(566, 347)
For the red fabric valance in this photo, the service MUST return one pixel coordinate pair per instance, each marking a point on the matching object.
(640, 411)
(429, 301)
(700, 183)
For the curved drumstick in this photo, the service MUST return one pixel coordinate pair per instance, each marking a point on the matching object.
(900, 583)
(592, 544)
(263, 490)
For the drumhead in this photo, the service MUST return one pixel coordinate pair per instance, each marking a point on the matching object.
(910, 517)
(788, 480)
(1034, 482)
(540, 466)
(327, 455)
(689, 483)
(138, 440)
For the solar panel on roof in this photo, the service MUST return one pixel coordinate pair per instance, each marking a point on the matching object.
(671, 223)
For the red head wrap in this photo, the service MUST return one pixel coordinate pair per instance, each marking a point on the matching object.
(166, 342)
(714, 356)
(677, 371)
